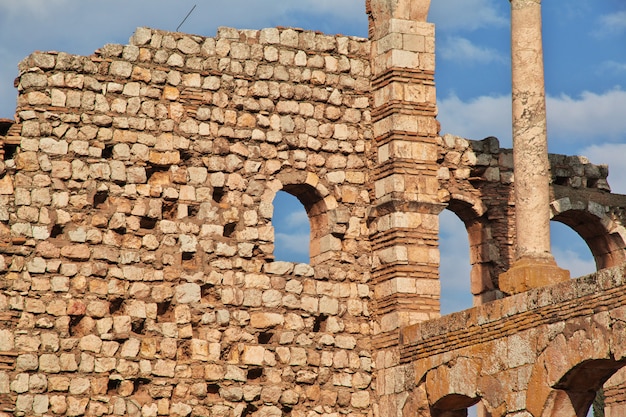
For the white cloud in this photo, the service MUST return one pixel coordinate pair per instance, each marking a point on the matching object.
(591, 117)
(341, 8)
(297, 243)
(613, 66)
(460, 49)
(477, 118)
(613, 154)
(572, 121)
(577, 264)
(611, 24)
(30, 8)
(466, 14)
(298, 219)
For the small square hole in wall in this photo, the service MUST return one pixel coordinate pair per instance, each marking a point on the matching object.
(560, 180)
(138, 326)
(319, 325)
(192, 210)
(115, 305)
(100, 198)
(139, 384)
(250, 409)
(170, 210)
(151, 170)
(80, 326)
(185, 155)
(9, 151)
(184, 350)
(209, 293)
(57, 230)
(147, 223)
(107, 152)
(265, 337)
(213, 389)
(218, 194)
(112, 386)
(229, 229)
(254, 373)
(164, 311)
(189, 260)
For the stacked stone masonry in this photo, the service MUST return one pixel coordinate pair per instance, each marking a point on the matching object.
(136, 237)
(142, 192)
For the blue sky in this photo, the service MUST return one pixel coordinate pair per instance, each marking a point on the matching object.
(585, 60)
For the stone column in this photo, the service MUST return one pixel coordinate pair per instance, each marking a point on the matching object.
(534, 265)
(404, 227)
(404, 221)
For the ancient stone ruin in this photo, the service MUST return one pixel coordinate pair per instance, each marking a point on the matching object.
(136, 238)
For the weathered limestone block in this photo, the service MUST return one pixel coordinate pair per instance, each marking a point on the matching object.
(121, 69)
(266, 320)
(187, 293)
(76, 252)
(90, 343)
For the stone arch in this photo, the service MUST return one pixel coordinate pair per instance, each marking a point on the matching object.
(605, 238)
(320, 207)
(453, 387)
(576, 390)
(484, 254)
(574, 365)
(415, 402)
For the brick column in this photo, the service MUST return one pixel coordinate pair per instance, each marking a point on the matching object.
(405, 207)
(534, 265)
(405, 225)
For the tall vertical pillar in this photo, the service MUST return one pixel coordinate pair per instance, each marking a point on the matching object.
(534, 265)
(405, 224)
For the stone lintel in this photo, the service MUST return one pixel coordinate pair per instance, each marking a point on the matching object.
(528, 273)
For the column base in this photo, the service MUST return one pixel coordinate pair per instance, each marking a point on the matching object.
(529, 273)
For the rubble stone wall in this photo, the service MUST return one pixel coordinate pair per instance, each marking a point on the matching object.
(140, 276)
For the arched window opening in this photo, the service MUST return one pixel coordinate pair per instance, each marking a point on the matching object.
(454, 267)
(599, 234)
(292, 230)
(457, 405)
(592, 388)
(570, 250)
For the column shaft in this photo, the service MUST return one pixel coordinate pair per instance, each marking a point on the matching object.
(530, 144)
(534, 265)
